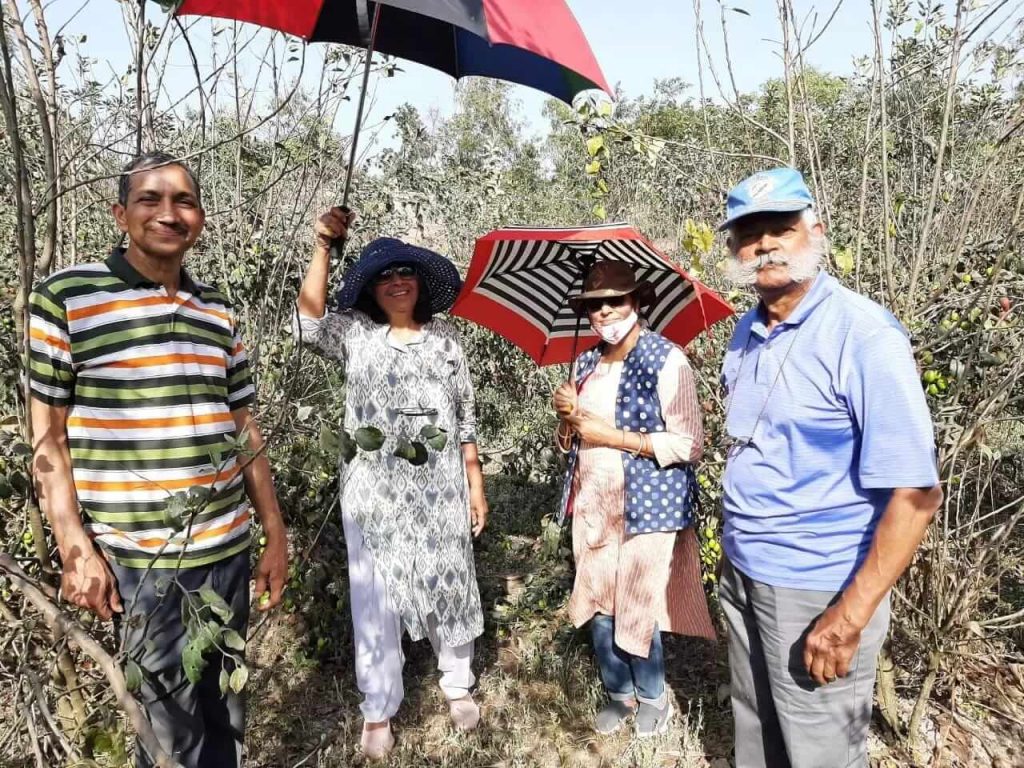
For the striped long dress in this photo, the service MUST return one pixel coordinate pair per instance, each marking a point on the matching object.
(650, 579)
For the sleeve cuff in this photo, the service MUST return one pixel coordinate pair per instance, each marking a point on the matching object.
(879, 482)
(306, 328)
(671, 449)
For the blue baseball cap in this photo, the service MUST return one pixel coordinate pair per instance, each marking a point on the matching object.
(779, 189)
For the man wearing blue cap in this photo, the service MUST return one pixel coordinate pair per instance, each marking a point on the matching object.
(829, 487)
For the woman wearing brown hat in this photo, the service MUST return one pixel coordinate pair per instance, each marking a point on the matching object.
(631, 425)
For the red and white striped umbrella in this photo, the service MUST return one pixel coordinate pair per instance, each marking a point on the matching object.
(520, 279)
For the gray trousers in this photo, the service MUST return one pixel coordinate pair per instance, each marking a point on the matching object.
(783, 719)
(194, 723)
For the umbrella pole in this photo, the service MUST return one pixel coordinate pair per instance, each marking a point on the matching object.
(336, 247)
(575, 344)
(587, 263)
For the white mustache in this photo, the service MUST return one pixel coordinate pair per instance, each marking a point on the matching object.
(770, 259)
(802, 266)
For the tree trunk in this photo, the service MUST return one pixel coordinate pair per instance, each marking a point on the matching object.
(887, 700)
(923, 696)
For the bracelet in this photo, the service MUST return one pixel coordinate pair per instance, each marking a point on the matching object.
(560, 437)
(636, 454)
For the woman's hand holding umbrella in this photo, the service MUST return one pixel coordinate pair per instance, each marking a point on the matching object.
(590, 428)
(333, 225)
(594, 430)
(565, 399)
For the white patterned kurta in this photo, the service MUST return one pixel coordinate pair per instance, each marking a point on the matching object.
(415, 520)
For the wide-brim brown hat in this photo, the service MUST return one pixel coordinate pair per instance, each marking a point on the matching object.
(612, 278)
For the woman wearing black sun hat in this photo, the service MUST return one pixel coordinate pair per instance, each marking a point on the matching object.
(409, 521)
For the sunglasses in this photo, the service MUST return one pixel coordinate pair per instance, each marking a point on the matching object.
(595, 305)
(399, 270)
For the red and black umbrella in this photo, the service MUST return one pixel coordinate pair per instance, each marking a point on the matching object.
(536, 43)
(520, 280)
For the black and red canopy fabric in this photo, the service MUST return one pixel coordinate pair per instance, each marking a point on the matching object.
(537, 43)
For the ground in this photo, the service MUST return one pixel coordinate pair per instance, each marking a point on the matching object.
(538, 687)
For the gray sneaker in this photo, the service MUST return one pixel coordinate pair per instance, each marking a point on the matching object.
(612, 715)
(652, 721)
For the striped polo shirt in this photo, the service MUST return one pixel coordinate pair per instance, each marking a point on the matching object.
(150, 381)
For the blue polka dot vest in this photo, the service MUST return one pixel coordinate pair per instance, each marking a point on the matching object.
(657, 498)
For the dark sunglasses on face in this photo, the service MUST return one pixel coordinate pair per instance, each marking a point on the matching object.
(595, 305)
(399, 270)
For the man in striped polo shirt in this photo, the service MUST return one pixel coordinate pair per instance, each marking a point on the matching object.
(141, 393)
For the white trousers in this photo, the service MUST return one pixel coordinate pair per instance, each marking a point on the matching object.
(377, 631)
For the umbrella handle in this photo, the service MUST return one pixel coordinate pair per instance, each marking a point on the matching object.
(337, 248)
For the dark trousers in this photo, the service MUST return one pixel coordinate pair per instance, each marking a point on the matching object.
(624, 675)
(194, 723)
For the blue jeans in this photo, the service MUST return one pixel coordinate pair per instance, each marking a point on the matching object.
(624, 675)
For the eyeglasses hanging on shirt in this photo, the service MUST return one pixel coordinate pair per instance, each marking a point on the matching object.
(733, 444)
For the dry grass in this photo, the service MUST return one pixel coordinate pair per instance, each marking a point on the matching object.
(538, 687)
(537, 684)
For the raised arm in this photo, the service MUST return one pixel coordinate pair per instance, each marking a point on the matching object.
(313, 294)
(310, 324)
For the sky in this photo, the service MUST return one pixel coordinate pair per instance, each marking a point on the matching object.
(636, 43)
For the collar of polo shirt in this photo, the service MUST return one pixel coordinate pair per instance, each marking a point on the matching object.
(821, 289)
(119, 265)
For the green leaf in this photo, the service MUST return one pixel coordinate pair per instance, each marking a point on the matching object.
(600, 212)
(5, 488)
(844, 260)
(206, 636)
(192, 663)
(21, 449)
(369, 438)
(233, 640)
(429, 431)
(216, 456)
(239, 677)
(594, 145)
(198, 496)
(217, 603)
(593, 167)
(420, 456)
(175, 511)
(404, 449)
(132, 676)
(438, 441)
(224, 681)
(20, 481)
(347, 446)
(328, 440)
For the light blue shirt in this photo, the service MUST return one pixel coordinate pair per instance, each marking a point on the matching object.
(828, 415)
